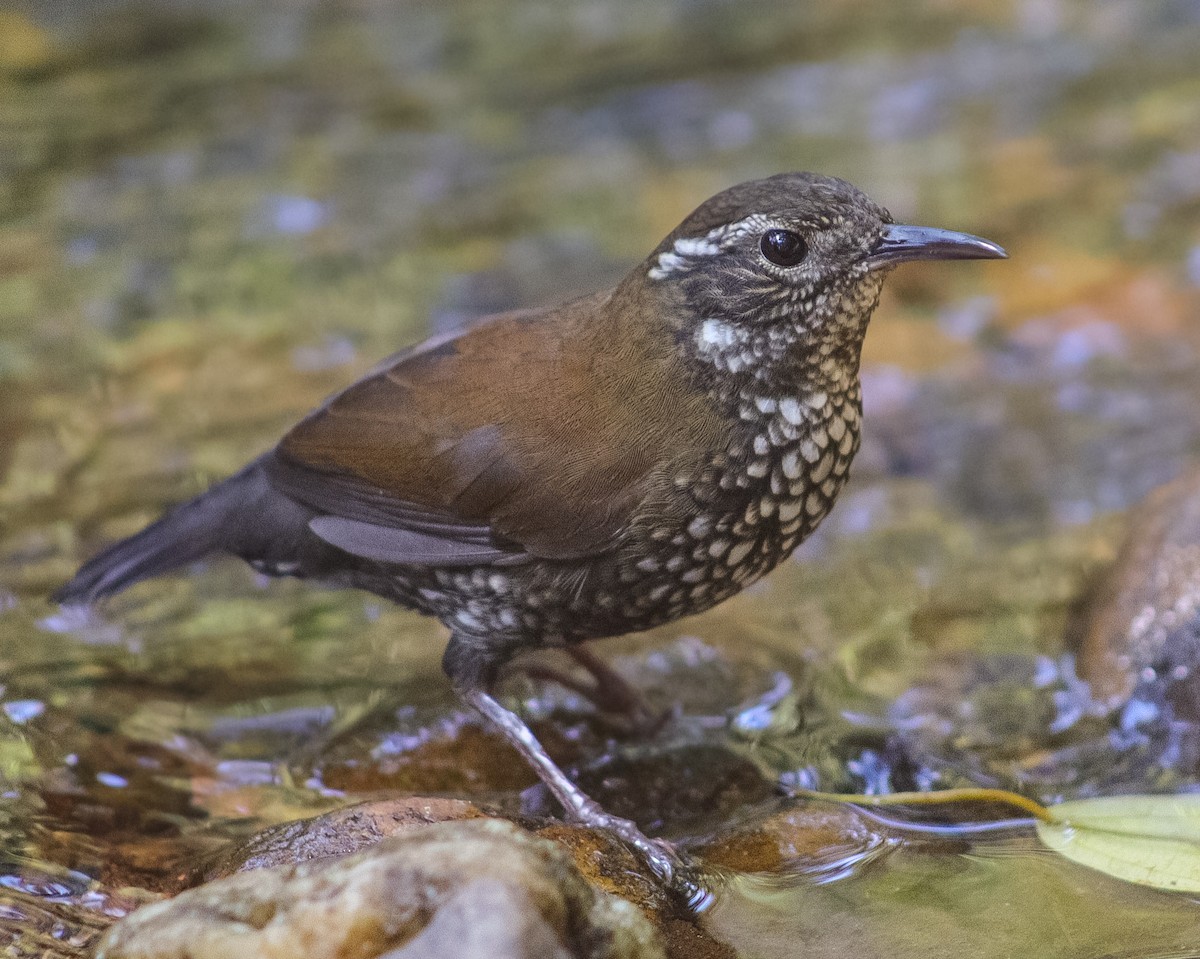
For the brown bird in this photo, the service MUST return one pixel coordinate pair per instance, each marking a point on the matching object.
(557, 475)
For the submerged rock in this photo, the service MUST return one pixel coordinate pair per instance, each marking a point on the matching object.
(804, 836)
(453, 890)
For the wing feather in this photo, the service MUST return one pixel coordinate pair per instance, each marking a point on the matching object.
(493, 447)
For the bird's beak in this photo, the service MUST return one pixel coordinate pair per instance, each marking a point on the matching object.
(900, 243)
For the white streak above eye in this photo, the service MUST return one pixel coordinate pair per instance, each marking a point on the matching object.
(667, 264)
(687, 248)
(696, 246)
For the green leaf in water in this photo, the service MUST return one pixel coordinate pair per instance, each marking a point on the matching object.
(1148, 840)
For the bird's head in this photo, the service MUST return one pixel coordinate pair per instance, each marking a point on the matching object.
(794, 258)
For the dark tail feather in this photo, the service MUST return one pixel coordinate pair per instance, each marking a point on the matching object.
(232, 516)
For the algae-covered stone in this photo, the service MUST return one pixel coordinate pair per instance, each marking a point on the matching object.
(455, 890)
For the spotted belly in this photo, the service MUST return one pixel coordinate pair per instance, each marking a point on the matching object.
(738, 513)
(659, 574)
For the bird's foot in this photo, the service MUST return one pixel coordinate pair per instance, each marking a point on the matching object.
(661, 856)
(673, 869)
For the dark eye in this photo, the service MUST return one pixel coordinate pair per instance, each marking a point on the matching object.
(783, 247)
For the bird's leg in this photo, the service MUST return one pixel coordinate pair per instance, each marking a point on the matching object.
(659, 855)
(473, 663)
(611, 694)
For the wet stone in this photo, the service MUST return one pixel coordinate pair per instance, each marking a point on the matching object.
(609, 866)
(808, 836)
(338, 833)
(1140, 633)
(461, 889)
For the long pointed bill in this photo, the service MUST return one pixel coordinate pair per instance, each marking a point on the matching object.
(900, 244)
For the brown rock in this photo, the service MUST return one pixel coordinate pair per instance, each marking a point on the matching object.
(813, 831)
(1142, 623)
(605, 864)
(462, 890)
(338, 833)
(472, 761)
(609, 866)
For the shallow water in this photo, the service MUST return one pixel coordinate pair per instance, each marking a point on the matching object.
(211, 217)
(999, 899)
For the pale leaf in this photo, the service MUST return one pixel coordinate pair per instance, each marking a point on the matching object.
(1148, 840)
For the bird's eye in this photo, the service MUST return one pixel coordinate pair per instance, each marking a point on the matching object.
(783, 247)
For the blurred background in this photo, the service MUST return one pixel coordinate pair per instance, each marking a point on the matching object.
(214, 213)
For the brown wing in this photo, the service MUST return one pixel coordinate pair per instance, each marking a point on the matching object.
(526, 436)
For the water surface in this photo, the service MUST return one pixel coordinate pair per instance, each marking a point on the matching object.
(212, 216)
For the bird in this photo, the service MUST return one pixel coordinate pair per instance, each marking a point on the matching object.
(551, 476)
